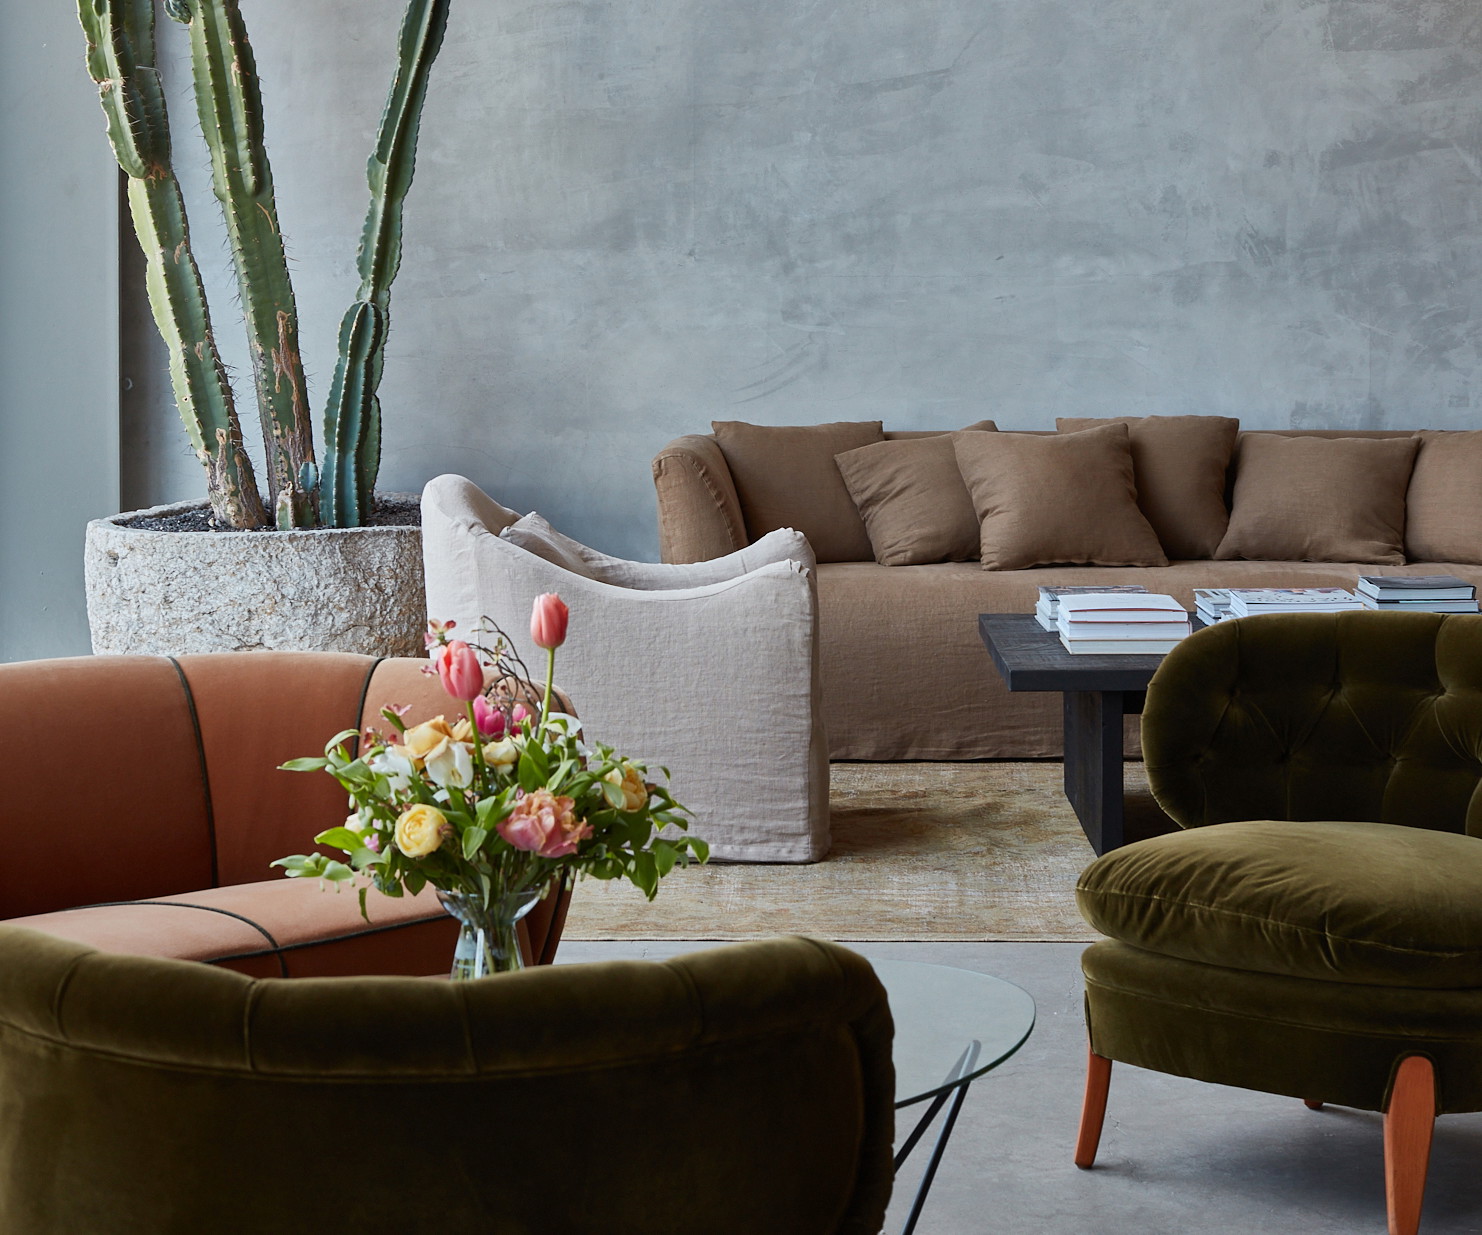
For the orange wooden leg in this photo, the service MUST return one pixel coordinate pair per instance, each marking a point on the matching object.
(1312, 1104)
(1093, 1110)
(1407, 1142)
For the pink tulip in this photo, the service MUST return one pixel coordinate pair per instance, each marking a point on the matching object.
(548, 621)
(488, 718)
(458, 667)
(521, 715)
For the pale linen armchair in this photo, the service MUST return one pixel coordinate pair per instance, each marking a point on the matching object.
(709, 669)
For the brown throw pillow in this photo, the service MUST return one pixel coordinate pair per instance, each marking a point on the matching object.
(785, 477)
(1443, 516)
(1179, 463)
(1065, 497)
(1319, 499)
(912, 499)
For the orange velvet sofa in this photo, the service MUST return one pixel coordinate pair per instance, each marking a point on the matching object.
(143, 806)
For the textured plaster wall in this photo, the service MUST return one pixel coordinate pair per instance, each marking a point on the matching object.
(59, 445)
(632, 217)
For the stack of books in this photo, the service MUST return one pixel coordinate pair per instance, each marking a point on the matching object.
(1417, 593)
(1132, 624)
(1212, 604)
(1251, 601)
(1047, 609)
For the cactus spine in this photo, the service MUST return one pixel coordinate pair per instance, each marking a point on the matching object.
(120, 57)
(229, 104)
(352, 420)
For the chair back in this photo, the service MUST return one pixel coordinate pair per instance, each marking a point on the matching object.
(1363, 716)
(739, 1090)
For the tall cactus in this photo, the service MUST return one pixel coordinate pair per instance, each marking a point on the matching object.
(229, 104)
(352, 418)
(121, 59)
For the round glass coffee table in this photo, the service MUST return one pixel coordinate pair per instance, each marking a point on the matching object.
(951, 1026)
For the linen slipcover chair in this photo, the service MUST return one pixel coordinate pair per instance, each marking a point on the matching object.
(146, 779)
(709, 669)
(741, 1090)
(1317, 930)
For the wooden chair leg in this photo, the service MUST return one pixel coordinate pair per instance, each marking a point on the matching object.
(1312, 1104)
(1407, 1142)
(1093, 1110)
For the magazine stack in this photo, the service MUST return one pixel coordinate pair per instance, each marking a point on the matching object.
(1417, 593)
(1047, 609)
(1132, 624)
(1252, 601)
(1212, 604)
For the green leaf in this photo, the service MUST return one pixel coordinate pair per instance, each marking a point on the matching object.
(337, 872)
(300, 865)
(414, 881)
(613, 793)
(644, 874)
(699, 848)
(473, 839)
(665, 856)
(303, 765)
(363, 913)
(341, 838)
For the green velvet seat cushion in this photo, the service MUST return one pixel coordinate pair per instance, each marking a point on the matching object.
(1360, 903)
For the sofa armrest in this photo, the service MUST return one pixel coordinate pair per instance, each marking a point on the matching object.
(699, 512)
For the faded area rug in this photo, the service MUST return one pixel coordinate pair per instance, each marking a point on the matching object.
(921, 852)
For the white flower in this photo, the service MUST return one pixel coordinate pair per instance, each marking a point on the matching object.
(397, 769)
(450, 764)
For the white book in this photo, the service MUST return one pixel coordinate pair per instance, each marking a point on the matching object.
(1119, 647)
(1072, 631)
(1420, 606)
(1047, 609)
(1246, 602)
(1110, 607)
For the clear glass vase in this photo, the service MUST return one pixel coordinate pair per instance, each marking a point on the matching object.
(488, 939)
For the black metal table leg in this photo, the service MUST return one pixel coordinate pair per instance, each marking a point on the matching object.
(965, 1064)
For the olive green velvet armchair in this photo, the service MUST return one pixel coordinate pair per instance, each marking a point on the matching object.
(736, 1091)
(1317, 929)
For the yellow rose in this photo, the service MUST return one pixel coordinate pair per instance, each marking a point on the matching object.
(635, 792)
(501, 754)
(420, 830)
(420, 739)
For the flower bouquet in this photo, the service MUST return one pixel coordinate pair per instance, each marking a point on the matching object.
(495, 806)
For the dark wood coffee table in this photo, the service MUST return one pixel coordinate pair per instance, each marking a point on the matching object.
(1098, 690)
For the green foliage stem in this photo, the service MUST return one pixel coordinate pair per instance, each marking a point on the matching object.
(121, 59)
(229, 104)
(352, 418)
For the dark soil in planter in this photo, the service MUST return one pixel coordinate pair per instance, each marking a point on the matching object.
(388, 512)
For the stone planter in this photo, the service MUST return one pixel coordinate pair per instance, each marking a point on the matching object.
(168, 593)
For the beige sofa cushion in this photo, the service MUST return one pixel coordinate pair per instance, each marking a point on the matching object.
(785, 477)
(912, 498)
(1179, 464)
(1056, 498)
(1443, 516)
(1319, 499)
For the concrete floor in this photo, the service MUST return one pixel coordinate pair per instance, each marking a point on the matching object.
(1176, 1155)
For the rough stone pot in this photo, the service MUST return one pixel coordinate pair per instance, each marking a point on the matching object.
(168, 593)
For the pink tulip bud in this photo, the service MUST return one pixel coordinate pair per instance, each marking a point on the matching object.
(521, 715)
(458, 667)
(548, 621)
(488, 718)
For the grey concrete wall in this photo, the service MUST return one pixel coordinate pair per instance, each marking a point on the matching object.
(632, 217)
(58, 328)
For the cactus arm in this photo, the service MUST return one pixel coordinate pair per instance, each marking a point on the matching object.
(229, 104)
(352, 419)
(120, 37)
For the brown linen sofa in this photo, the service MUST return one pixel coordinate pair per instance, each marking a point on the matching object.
(143, 806)
(904, 673)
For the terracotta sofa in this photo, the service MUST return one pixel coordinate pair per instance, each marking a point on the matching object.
(145, 790)
(904, 673)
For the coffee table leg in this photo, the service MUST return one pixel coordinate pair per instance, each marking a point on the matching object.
(965, 1064)
(1093, 764)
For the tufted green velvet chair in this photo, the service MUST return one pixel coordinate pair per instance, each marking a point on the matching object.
(736, 1091)
(1317, 929)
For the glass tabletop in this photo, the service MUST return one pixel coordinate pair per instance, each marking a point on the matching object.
(938, 1012)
